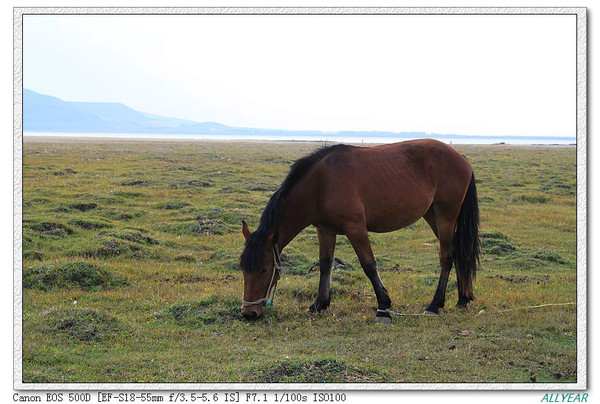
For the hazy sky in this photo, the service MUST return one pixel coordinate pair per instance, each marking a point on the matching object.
(488, 75)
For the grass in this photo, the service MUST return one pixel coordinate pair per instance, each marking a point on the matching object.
(130, 255)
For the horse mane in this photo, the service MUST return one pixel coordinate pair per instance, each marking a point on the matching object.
(252, 258)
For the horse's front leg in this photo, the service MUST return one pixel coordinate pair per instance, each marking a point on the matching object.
(359, 238)
(326, 250)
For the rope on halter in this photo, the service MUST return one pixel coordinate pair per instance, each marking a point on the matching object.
(429, 314)
(527, 307)
(395, 313)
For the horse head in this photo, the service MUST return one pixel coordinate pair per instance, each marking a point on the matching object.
(260, 266)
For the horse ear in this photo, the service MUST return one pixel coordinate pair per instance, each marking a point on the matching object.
(272, 239)
(245, 230)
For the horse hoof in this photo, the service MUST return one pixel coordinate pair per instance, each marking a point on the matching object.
(430, 313)
(383, 317)
(383, 320)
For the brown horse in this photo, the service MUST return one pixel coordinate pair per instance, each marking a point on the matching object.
(352, 190)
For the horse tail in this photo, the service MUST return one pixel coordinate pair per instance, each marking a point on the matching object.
(466, 245)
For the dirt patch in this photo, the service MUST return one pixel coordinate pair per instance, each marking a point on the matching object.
(260, 186)
(521, 279)
(316, 371)
(83, 207)
(175, 205)
(191, 184)
(135, 182)
(397, 268)
(187, 278)
(559, 188)
(90, 224)
(65, 172)
(511, 278)
(120, 215)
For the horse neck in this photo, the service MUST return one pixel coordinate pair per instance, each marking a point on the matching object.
(298, 214)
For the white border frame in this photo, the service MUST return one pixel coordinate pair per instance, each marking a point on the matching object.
(581, 60)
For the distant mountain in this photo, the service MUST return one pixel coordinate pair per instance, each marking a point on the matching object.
(44, 113)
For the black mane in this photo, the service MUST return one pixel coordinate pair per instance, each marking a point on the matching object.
(252, 258)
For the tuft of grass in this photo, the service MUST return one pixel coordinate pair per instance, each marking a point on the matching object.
(84, 325)
(530, 198)
(549, 256)
(82, 275)
(47, 228)
(199, 227)
(107, 247)
(496, 243)
(314, 371)
(91, 224)
(134, 236)
(198, 313)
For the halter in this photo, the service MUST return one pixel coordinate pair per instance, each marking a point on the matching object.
(277, 267)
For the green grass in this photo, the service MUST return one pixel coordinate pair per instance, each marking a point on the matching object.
(130, 253)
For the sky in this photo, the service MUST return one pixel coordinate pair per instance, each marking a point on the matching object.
(461, 74)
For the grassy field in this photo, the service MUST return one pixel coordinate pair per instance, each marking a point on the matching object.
(130, 273)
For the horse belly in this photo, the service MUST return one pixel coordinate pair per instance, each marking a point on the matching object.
(395, 217)
(397, 206)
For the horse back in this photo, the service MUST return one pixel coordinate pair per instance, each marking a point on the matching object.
(389, 186)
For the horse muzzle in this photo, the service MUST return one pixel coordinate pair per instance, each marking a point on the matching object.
(252, 313)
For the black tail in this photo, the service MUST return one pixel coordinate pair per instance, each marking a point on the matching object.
(466, 246)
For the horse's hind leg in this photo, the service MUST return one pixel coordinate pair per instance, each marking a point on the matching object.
(444, 231)
(326, 249)
(359, 238)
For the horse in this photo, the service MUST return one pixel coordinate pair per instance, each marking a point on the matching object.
(351, 190)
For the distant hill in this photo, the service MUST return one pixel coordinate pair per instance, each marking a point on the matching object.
(44, 113)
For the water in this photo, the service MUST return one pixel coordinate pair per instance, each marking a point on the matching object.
(310, 138)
